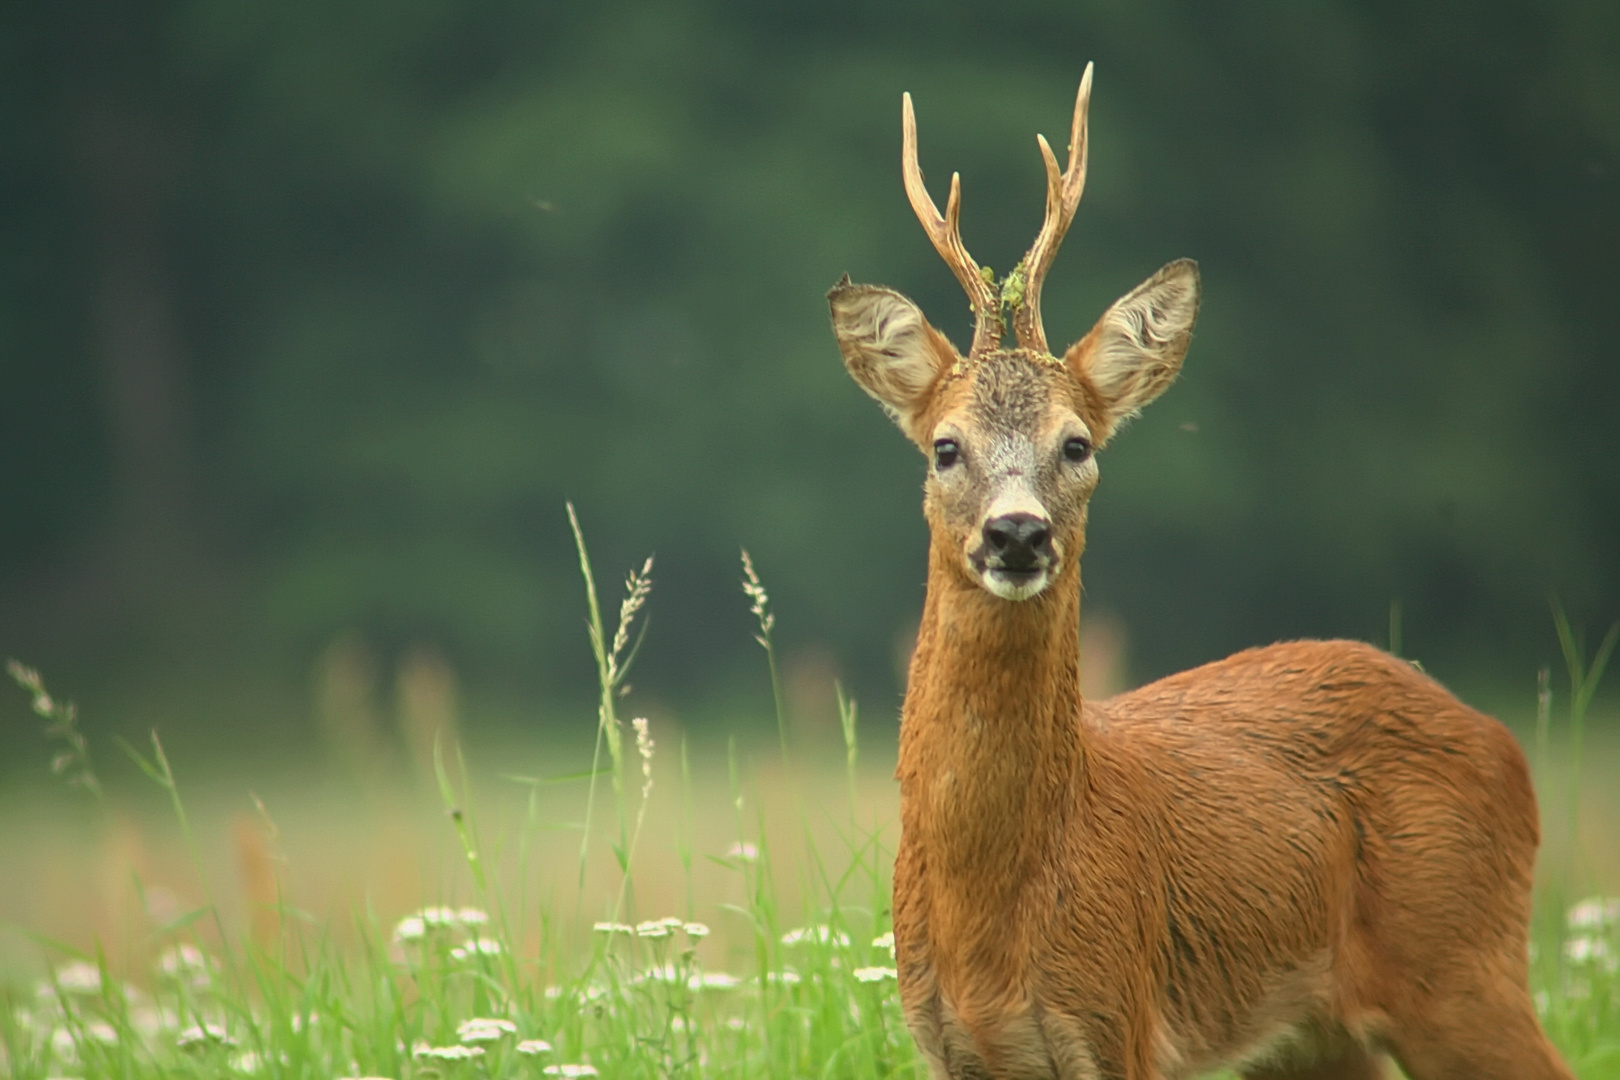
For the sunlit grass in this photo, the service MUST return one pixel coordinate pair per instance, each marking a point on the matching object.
(501, 984)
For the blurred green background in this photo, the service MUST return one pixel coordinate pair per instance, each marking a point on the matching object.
(313, 313)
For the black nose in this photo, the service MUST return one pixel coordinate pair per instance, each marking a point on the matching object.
(1018, 539)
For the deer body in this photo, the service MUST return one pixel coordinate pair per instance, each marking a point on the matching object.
(1293, 861)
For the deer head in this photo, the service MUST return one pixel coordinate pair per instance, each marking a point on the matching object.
(1010, 432)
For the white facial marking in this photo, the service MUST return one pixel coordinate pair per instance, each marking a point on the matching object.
(1009, 465)
(1014, 587)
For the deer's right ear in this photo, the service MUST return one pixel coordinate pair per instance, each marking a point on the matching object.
(890, 349)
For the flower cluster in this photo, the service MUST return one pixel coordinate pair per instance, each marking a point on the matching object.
(431, 920)
(816, 935)
(1593, 924)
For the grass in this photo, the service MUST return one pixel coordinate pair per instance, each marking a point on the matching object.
(502, 982)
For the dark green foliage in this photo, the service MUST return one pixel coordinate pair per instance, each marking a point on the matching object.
(314, 313)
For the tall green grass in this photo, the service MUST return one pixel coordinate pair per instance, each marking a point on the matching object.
(503, 985)
(499, 986)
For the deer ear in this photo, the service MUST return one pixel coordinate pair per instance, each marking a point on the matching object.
(890, 349)
(1134, 352)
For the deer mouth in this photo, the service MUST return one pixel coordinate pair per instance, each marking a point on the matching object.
(1014, 583)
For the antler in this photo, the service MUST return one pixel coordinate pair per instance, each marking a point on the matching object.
(947, 238)
(1062, 197)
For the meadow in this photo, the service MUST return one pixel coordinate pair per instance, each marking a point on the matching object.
(640, 905)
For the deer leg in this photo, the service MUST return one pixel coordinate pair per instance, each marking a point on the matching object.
(1486, 1035)
(1348, 1060)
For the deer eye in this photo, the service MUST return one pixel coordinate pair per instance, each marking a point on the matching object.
(1076, 450)
(945, 453)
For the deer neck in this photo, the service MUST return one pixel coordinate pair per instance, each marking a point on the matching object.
(991, 748)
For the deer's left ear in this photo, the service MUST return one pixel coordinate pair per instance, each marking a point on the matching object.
(1134, 352)
(890, 349)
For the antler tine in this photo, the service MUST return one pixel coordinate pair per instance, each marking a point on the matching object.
(947, 236)
(1062, 198)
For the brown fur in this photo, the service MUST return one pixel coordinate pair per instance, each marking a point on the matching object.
(1303, 855)
(1295, 861)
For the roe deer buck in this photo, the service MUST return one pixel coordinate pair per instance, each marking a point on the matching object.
(1295, 861)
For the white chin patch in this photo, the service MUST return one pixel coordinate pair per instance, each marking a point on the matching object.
(1014, 586)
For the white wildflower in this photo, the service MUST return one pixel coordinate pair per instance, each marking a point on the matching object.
(410, 928)
(533, 1047)
(785, 977)
(613, 928)
(79, 978)
(1591, 950)
(186, 962)
(439, 918)
(248, 1061)
(743, 851)
(1594, 913)
(714, 980)
(819, 935)
(475, 947)
(471, 916)
(451, 1053)
(884, 941)
(570, 1071)
(695, 930)
(875, 974)
(202, 1036)
(482, 1030)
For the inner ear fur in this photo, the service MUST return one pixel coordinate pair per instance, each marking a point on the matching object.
(891, 350)
(1134, 352)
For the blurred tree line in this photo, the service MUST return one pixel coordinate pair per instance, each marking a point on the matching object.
(312, 315)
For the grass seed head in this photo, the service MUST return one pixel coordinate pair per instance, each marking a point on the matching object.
(759, 599)
(644, 747)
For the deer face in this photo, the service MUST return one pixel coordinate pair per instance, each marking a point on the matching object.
(1010, 435)
(1011, 468)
